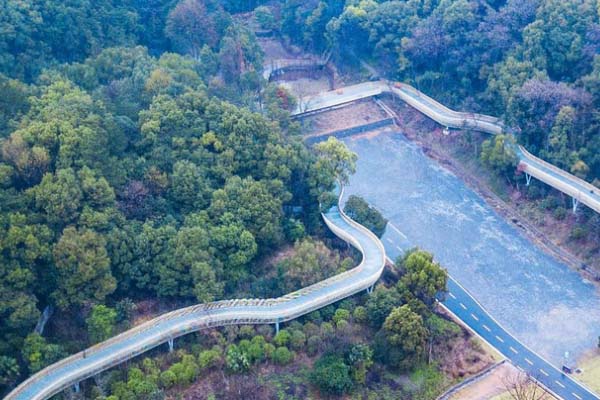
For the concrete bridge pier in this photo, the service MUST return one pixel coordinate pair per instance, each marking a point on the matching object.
(171, 345)
(370, 289)
(527, 178)
(76, 388)
(575, 203)
(277, 326)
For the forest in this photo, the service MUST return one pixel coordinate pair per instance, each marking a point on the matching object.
(144, 156)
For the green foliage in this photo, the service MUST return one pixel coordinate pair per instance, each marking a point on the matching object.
(282, 338)
(310, 262)
(423, 277)
(208, 359)
(335, 160)
(101, 323)
(236, 360)
(282, 356)
(380, 303)
(401, 342)
(331, 375)
(498, 154)
(360, 211)
(37, 353)
(83, 268)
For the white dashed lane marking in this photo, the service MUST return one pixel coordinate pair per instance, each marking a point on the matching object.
(544, 372)
(487, 328)
(560, 384)
(397, 230)
(463, 306)
(389, 240)
(451, 295)
(399, 248)
(513, 350)
(576, 396)
(528, 361)
(499, 338)
(474, 317)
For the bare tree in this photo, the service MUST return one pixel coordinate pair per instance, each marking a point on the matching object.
(523, 386)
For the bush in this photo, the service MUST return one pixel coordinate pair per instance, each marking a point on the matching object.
(297, 340)
(331, 375)
(208, 359)
(560, 213)
(578, 232)
(282, 338)
(341, 314)
(168, 379)
(282, 356)
(313, 345)
(310, 329)
(269, 350)
(236, 360)
(360, 211)
(360, 315)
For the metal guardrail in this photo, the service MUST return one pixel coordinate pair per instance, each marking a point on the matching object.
(220, 313)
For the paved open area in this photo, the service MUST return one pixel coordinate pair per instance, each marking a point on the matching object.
(547, 306)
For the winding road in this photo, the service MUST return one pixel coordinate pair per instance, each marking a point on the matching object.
(70, 371)
(165, 328)
(578, 189)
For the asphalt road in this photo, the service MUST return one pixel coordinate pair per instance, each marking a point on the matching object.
(465, 307)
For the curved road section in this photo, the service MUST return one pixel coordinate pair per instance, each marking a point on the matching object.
(80, 366)
(578, 189)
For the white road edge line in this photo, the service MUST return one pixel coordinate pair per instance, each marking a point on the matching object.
(487, 328)
(463, 306)
(397, 230)
(528, 361)
(499, 338)
(544, 372)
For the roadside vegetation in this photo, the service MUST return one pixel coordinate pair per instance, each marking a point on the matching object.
(416, 353)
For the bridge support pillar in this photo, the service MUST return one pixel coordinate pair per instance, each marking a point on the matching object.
(370, 289)
(575, 203)
(76, 388)
(277, 327)
(171, 345)
(527, 178)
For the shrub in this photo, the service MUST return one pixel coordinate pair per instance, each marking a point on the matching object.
(360, 315)
(208, 359)
(341, 314)
(282, 356)
(331, 375)
(297, 340)
(282, 338)
(168, 379)
(313, 345)
(236, 360)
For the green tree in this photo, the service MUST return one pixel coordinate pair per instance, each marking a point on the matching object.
(335, 160)
(423, 277)
(402, 340)
(101, 323)
(360, 211)
(37, 353)
(83, 268)
(331, 375)
(498, 153)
